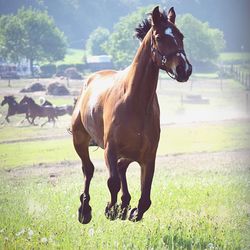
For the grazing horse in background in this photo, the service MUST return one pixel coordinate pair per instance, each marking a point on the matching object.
(15, 108)
(36, 110)
(60, 110)
(120, 111)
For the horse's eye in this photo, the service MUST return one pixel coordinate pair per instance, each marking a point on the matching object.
(157, 37)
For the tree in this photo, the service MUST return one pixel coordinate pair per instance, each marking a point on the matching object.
(202, 43)
(95, 41)
(31, 34)
(121, 44)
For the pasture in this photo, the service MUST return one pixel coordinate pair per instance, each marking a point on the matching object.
(200, 194)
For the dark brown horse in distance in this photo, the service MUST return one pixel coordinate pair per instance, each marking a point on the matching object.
(15, 108)
(36, 110)
(120, 111)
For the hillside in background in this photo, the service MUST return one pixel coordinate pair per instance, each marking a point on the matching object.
(78, 18)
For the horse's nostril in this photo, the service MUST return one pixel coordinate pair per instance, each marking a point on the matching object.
(180, 70)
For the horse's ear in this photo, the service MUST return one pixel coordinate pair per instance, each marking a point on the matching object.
(156, 15)
(171, 15)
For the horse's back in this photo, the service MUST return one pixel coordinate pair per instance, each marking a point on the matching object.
(100, 75)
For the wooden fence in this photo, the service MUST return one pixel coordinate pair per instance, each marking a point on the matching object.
(239, 73)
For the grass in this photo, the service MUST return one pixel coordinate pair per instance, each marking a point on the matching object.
(234, 57)
(190, 210)
(174, 140)
(213, 75)
(73, 56)
(204, 138)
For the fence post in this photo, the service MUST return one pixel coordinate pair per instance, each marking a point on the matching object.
(247, 102)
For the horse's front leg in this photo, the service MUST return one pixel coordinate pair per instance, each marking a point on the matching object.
(122, 169)
(25, 118)
(114, 184)
(7, 118)
(147, 173)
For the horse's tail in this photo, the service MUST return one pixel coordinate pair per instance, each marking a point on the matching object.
(42, 100)
(69, 130)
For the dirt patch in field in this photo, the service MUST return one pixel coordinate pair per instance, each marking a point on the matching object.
(226, 161)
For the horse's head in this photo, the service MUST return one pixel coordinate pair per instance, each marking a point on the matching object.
(4, 101)
(167, 45)
(25, 100)
(8, 99)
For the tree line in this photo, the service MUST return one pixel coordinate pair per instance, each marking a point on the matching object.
(202, 43)
(33, 35)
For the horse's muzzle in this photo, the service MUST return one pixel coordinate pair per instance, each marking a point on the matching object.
(183, 73)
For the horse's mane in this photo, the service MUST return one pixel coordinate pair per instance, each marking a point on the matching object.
(146, 24)
(143, 28)
(11, 98)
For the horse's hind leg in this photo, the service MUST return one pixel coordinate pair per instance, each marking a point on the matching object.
(54, 121)
(44, 123)
(27, 117)
(122, 169)
(81, 142)
(114, 184)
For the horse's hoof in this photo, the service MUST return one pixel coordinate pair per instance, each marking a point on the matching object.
(134, 215)
(111, 213)
(84, 214)
(123, 212)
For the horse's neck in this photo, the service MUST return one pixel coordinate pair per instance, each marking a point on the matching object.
(143, 76)
(12, 103)
(33, 104)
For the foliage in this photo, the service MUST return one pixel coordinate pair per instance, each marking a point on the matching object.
(31, 34)
(121, 44)
(202, 43)
(48, 70)
(78, 18)
(95, 41)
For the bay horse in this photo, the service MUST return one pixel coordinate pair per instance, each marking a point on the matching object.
(15, 108)
(120, 111)
(36, 110)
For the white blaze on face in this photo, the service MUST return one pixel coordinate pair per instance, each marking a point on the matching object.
(168, 31)
(185, 60)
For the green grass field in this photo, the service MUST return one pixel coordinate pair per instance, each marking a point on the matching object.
(234, 57)
(73, 56)
(174, 140)
(190, 210)
(200, 193)
(199, 203)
